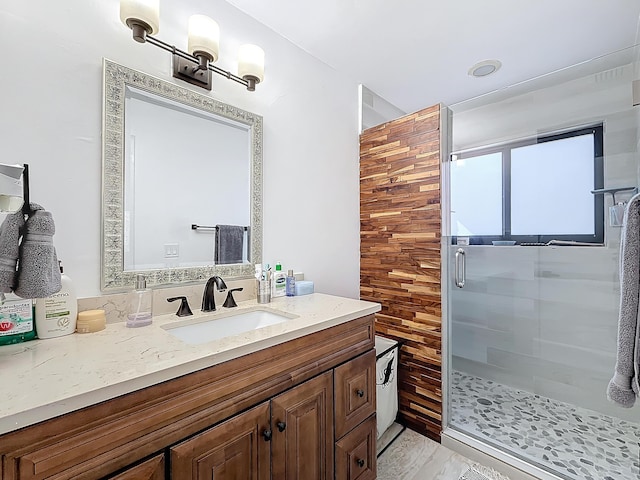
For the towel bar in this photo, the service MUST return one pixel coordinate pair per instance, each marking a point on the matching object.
(208, 227)
(613, 191)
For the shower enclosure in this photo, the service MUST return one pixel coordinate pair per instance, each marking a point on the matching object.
(532, 259)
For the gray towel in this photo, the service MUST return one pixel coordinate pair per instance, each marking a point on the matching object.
(229, 244)
(10, 232)
(623, 387)
(38, 269)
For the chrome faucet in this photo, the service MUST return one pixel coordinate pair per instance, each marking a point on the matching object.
(208, 298)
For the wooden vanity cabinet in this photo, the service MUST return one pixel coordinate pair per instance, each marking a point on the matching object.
(213, 422)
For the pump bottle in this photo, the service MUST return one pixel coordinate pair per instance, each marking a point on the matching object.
(57, 314)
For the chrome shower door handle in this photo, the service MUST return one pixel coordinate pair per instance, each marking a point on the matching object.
(460, 268)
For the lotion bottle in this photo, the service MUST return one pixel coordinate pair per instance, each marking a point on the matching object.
(278, 282)
(140, 300)
(57, 314)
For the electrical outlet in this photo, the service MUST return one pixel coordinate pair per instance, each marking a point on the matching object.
(171, 250)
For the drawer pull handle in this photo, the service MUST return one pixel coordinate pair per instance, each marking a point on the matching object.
(281, 426)
(267, 435)
(360, 462)
(360, 393)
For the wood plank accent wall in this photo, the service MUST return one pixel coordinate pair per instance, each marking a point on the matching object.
(400, 254)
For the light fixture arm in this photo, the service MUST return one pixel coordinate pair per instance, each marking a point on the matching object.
(190, 65)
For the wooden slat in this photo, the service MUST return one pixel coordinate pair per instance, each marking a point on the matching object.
(400, 222)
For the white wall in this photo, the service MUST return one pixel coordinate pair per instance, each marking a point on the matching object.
(51, 97)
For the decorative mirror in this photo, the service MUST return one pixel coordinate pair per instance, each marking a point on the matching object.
(181, 182)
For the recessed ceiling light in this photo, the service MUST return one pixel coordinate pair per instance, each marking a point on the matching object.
(482, 69)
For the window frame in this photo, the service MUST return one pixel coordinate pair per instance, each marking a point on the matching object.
(598, 182)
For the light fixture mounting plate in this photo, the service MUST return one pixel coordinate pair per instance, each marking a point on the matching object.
(187, 70)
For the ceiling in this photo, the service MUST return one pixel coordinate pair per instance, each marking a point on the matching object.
(415, 53)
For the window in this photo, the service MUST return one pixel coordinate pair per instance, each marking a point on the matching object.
(531, 191)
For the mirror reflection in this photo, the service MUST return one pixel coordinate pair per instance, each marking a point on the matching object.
(182, 183)
(182, 189)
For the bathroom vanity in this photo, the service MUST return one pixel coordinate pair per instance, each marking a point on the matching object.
(292, 400)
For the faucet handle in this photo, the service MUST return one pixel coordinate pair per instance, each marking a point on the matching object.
(230, 302)
(184, 310)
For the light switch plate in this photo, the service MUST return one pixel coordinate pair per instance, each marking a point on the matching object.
(171, 250)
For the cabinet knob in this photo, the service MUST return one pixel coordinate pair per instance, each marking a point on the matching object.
(360, 462)
(360, 393)
(267, 435)
(281, 426)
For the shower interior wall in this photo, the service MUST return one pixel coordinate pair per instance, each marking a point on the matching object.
(544, 319)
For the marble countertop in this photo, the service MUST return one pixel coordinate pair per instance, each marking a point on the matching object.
(42, 379)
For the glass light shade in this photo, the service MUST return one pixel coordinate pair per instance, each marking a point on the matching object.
(204, 36)
(251, 62)
(147, 11)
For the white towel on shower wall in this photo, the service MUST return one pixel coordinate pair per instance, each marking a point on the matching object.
(624, 386)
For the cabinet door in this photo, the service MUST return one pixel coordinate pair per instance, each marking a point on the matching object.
(236, 449)
(303, 431)
(152, 469)
(356, 452)
(355, 388)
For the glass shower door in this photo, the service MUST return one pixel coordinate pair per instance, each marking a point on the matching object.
(532, 325)
(492, 291)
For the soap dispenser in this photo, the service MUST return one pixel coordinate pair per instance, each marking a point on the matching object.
(140, 300)
(57, 314)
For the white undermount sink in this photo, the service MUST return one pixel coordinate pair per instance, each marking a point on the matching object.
(220, 325)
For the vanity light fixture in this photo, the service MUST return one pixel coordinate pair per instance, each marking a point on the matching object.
(196, 65)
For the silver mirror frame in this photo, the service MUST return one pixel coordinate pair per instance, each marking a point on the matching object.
(113, 276)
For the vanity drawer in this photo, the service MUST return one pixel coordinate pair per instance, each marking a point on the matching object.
(356, 453)
(355, 392)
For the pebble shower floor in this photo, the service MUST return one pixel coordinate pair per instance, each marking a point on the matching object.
(573, 442)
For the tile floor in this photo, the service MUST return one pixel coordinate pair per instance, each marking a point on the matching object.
(576, 443)
(414, 457)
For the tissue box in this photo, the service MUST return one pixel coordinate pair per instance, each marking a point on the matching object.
(304, 287)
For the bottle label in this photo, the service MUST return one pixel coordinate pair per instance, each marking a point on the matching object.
(279, 285)
(16, 318)
(56, 305)
(57, 313)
